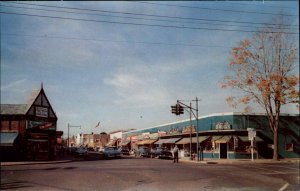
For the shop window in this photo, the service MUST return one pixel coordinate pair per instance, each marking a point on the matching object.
(243, 147)
(289, 147)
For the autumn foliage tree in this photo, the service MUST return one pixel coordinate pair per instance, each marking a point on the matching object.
(263, 69)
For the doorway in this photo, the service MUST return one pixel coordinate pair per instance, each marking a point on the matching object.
(223, 150)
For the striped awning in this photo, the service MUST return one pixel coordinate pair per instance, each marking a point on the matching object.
(187, 140)
(221, 139)
(167, 141)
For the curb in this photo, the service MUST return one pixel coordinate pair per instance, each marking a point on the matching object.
(32, 163)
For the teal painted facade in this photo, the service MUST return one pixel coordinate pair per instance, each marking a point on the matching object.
(289, 133)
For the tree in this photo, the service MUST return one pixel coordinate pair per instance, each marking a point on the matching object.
(263, 69)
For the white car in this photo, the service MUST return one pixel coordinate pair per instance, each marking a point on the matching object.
(110, 152)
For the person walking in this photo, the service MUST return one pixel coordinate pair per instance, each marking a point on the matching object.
(175, 153)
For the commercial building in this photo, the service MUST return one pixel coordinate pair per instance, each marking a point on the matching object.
(223, 135)
(29, 130)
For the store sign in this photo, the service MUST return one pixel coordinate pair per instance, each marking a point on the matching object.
(41, 111)
(223, 125)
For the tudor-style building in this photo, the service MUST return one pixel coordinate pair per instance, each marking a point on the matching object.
(30, 130)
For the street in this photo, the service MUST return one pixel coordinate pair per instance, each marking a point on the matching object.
(150, 174)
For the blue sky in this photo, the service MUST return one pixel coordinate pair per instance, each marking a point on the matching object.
(125, 75)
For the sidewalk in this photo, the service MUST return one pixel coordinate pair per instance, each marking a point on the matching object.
(70, 158)
(61, 159)
(242, 161)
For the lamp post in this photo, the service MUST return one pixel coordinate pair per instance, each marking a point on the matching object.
(69, 133)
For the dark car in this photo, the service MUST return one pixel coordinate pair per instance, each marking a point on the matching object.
(143, 151)
(165, 154)
(124, 151)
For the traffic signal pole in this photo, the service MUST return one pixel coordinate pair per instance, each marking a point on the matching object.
(181, 106)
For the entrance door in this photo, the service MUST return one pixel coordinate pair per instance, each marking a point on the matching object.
(223, 150)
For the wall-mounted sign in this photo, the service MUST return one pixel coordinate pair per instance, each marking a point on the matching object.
(223, 125)
(188, 129)
(41, 111)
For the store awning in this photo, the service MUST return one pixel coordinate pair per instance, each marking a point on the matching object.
(149, 141)
(246, 139)
(141, 142)
(221, 139)
(167, 141)
(7, 139)
(187, 140)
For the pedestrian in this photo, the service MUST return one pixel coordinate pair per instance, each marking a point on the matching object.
(175, 153)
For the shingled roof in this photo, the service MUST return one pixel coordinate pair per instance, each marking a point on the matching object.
(13, 109)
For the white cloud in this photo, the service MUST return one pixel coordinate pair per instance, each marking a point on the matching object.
(137, 86)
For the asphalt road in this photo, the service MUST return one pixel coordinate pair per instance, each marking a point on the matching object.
(146, 174)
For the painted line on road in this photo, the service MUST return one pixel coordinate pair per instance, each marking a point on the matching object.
(284, 187)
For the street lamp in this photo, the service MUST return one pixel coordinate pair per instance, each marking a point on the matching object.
(69, 132)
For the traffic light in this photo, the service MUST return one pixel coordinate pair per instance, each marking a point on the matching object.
(177, 109)
(181, 111)
(173, 109)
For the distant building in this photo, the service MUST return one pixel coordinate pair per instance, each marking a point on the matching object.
(116, 138)
(29, 130)
(92, 140)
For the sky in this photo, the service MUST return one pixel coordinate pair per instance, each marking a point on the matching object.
(124, 64)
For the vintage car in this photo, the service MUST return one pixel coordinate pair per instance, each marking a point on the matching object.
(155, 152)
(81, 151)
(124, 151)
(110, 152)
(165, 154)
(143, 151)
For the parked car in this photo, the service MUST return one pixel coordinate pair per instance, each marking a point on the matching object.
(155, 152)
(81, 151)
(143, 151)
(124, 151)
(165, 154)
(110, 152)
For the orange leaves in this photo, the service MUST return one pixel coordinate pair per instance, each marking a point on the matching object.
(292, 80)
(241, 54)
(245, 100)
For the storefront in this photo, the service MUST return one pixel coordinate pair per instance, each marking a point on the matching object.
(225, 136)
(35, 124)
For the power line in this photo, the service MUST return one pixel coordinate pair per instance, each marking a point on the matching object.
(149, 15)
(139, 24)
(113, 41)
(215, 9)
(118, 41)
(261, 5)
(127, 17)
